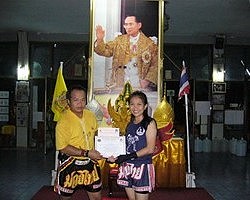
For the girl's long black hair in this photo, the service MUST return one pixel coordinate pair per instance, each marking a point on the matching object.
(146, 118)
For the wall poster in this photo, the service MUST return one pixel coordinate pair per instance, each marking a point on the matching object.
(22, 91)
(22, 113)
(119, 55)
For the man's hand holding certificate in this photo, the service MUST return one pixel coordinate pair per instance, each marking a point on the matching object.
(109, 142)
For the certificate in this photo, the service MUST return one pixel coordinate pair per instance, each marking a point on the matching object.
(106, 131)
(110, 145)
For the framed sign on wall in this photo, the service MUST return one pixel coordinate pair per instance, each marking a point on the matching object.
(219, 87)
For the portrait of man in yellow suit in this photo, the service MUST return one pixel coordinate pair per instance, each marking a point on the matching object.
(125, 50)
(134, 55)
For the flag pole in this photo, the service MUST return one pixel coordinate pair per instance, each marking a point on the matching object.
(184, 91)
(187, 130)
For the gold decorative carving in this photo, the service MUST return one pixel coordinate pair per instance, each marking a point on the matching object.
(164, 117)
(119, 113)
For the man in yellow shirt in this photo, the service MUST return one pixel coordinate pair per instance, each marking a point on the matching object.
(75, 131)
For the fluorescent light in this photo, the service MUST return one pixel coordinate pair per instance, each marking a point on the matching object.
(23, 72)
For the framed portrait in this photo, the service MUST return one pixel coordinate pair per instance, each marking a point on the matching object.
(118, 55)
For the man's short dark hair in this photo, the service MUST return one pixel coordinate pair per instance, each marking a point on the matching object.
(75, 87)
(137, 17)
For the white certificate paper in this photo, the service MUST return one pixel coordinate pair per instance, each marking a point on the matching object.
(108, 132)
(110, 145)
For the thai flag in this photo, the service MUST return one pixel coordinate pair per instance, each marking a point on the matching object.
(184, 84)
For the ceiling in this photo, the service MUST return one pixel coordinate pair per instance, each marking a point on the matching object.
(204, 19)
(191, 21)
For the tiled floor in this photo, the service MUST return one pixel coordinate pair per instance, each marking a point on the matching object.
(24, 172)
(224, 175)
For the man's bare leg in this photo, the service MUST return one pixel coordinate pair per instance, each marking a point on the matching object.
(95, 195)
(64, 198)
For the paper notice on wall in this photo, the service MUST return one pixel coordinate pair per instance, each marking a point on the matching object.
(203, 129)
(203, 107)
(234, 117)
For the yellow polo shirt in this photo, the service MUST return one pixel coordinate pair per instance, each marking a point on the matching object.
(75, 131)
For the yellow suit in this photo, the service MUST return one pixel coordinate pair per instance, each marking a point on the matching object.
(146, 56)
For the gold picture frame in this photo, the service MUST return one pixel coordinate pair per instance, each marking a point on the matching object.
(110, 14)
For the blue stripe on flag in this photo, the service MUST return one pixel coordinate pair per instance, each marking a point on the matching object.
(184, 84)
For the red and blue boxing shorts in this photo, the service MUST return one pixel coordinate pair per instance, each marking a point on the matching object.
(140, 177)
